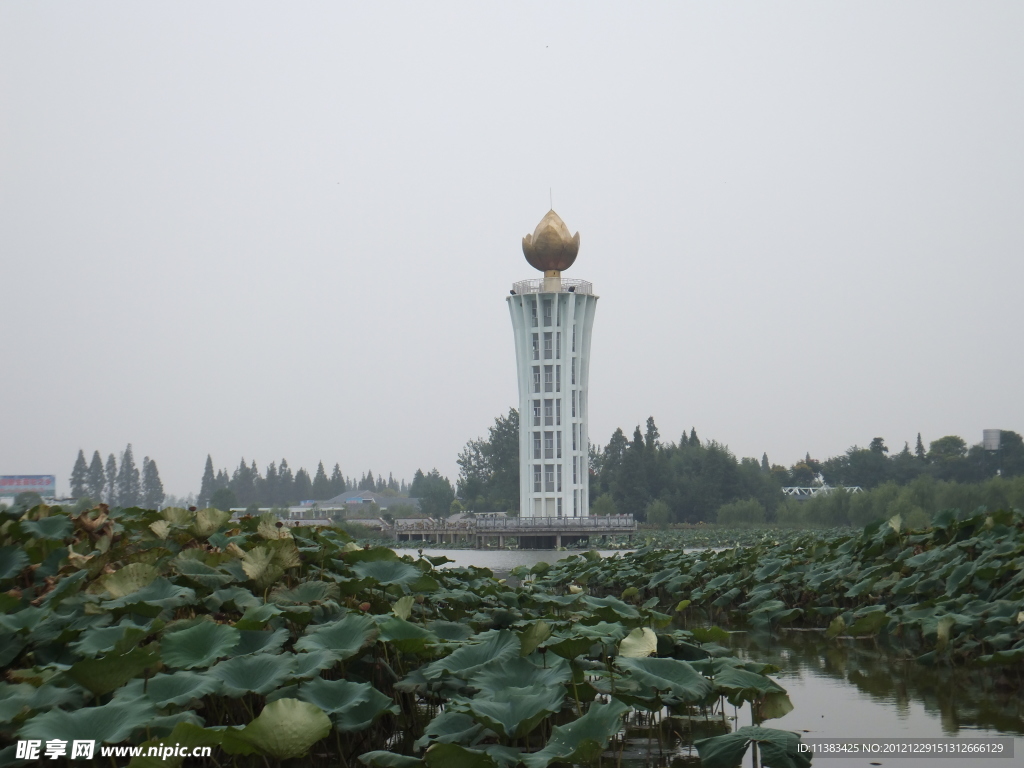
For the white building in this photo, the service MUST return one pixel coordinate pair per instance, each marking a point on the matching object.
(552, 320)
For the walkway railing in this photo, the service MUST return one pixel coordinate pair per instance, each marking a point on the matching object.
(567, 286)
(612, 522)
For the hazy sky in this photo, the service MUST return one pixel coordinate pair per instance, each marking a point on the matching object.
(266, 230)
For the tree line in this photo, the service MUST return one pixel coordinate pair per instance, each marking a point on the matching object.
(116, 483)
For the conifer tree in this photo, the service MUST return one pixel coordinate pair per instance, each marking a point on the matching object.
(765, 466)
(285, 484)
(79, 476)
(152, 487)
(303, 488)
(694, 440)
(96, 478)
(128, 484)
(651, 435)
(337, 481)
(271, 487)
(321, 485)
(208, 484)
(110, 486)
(919, 449)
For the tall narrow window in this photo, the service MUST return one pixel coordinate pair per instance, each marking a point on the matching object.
(558, 412)
(549, 418)
(573, 371)
(558, 345)
(547, 313)
(536, 347)
(574, 403)
(549, 445)
(536, 445)
(558, 446)
(558, 378)
(573, 435)
(575, 503)
(549, 385)
(536, 378)
(533, 309)
(549, 478)
(573, 331)
(574, 475)
(558, 485)
(559, 506)
(536, 478)
(547, 345)
(536, 413)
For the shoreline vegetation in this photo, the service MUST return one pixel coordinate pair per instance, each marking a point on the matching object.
(301, 646)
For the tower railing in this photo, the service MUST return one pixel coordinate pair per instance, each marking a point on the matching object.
(567, 286)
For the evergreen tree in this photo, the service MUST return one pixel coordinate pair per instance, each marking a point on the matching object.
(243, 483)
(208, 484)
(321, 484)
(337, 481)
(79, 476)
(96, 478)
(152, 487)
(633, 495)
(919, 449)
(380, 485)
(271, 487)
(222, 480)
(417, 485)
(128, 484)
(303, 489)
(611, 462)
(651, 435)
(765, 466)
(694, 440)
(366, 482)
(110, 486)
(285, 484)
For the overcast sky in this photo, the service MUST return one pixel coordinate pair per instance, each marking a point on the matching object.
(266, 230)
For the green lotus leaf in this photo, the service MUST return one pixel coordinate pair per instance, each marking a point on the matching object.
(515, 712)
(676, 677)
(209, 521)
(177, 515)
(123, 637)
(403, 607)
(522, 672)
(305, 593)
(256, 617)
(260, 673)
(129, 579)
(199, 646)
(451, 631)
(240, 597)
(450, 727)
(309, 664)
(52, 528)
(176, 690)
(23, 698)
(160, 594)
(405, 636)
(639, 643)
(779, 749)
(582, 740)
(388, 572)
(741, 685)
(352, 706)
(531, 637)
(287, 728)
(380, 758)
(201, 573)
(456, 756)
(114, 670)
(342, 639)
(259, 566)
(110, 723)
(774, 705)
(260, 641)
(495, 648)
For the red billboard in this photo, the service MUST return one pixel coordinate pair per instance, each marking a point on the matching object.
(44, 485)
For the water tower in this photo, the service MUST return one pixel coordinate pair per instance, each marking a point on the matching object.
(552, 318)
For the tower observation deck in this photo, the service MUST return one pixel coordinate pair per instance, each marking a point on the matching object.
(552, 319)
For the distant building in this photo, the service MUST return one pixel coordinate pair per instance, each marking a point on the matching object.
(351, 501)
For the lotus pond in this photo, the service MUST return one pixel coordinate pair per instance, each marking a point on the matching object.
(299, 646)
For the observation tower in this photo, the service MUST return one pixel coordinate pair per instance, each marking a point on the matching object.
(552, 318)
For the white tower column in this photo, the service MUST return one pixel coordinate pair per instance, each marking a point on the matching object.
(552, 319)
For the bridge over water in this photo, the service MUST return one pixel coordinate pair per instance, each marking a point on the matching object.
(528, 532)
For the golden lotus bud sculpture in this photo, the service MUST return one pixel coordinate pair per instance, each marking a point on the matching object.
(551, 248)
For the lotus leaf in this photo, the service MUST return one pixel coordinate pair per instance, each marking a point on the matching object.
(582, 740)
(256, 617)
(779, 749)
(514, 712)
(160, 594)
(380, 758)
(259, 565)
(306, 592)
(495, 647)
(451, 630)
(175, 690)
(456, 756)
(177, 515)
(114, 670)
(309, 664)
(110, 723)
(52, 528)
(531, 637)
(388, 572)
(260, 673)
(450, 727)
(201, 573)
(129, 579)
(258, 641)
(405, 636)
(522, 672)
(199, 646)
(677, 677)
(121, 637)
(287, 728)
(403, 606)
(209, 521)
(342, 639)
(639, 643)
